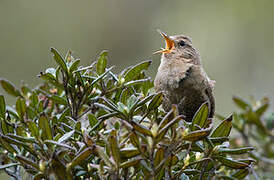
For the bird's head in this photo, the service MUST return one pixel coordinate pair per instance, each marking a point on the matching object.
(179, 47)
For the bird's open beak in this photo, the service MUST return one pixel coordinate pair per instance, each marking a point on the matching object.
(169, 43)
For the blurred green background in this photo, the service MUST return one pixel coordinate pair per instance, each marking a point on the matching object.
(235, 38)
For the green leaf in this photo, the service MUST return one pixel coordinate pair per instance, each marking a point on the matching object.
(27, 162)
(163, 131)
(33, 129)
(6, 145)
(240, 174)
(191, 171)
(170, 115)
(104, 156)
(58, 99)
(241, 103)
(224, 128)
(9, 88)
(80, 157)
(22, 139)
(2, 107)
(236, 151)
(59, 59)
(31, 114)
(131, 101)
(18, 144)
(232, 163)
(130, 163)
(218, 140)
(58, 144)
(262, 109)
(129, 153)
(114, 148)
(66, 136)
(142, 102)
(141, 129)
(4, 126)
(156, 101)
(45, 126)
(122, 108)
(159, 156)
(134, 139)
(39, 176)
(197, 135)
(223, 177)
(25, 90)
(51, 79)
(92, 120)
(102, 63)
(134, 71)
(74, 66)
(21, 107)
(200, 117)
(100, 77)
(247, 161)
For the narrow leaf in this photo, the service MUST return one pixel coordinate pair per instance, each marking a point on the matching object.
(134, 71)
(27, 161)
(59, 59)
(130, 163)
(241, 174)
(141, 129)
(74, 65)
(45, 126)
(261, 110)
(156, 101)
(80, 157)
(58, 144)
(114, 148)
(58, 99)
(102, 62)
(9, 88)
(101, 76)
(33, 129)
(92, 120)
(163, 131)
(2, 107)
(236, 151)
(129, 152)
(21, 107)
(104, 156)
(200, 117)
(232, 163)
(241, 103)
(66, 136)
(197, 135)
(224, 128)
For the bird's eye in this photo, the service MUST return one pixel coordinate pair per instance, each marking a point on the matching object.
(182, 43)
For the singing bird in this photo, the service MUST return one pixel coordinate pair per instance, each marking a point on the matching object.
(182, 78)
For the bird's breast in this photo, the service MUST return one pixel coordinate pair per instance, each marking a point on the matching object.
(178, 76)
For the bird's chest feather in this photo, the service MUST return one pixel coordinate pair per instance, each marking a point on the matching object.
(177, 75)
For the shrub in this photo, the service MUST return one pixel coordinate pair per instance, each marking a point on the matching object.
(88, 122)
(255, 128)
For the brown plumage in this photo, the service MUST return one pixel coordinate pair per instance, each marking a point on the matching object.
(182, 78)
